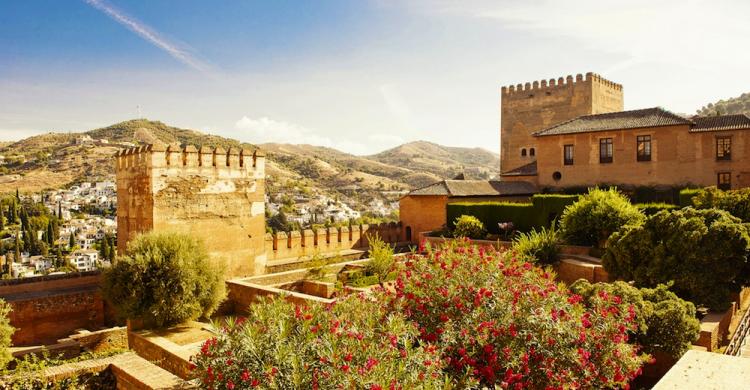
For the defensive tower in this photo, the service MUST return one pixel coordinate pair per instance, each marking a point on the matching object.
(530, 107)
(212, 194)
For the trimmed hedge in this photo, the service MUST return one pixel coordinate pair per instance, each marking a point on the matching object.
(542, 210)
(687, 195)
(653, 208)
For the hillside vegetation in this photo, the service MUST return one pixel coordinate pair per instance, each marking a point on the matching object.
(53, 160)
(736, 105)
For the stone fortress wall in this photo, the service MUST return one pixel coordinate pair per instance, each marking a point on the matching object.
(213, 194)
(533, 106)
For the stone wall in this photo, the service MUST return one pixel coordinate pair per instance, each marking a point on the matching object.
(678, 157)
(530, 107)
(212, 194)
(308, 243)
(45, 309)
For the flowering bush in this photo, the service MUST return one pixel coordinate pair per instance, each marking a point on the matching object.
(507, 323)
(355, 343)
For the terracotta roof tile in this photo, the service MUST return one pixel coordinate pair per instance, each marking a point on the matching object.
(721, 122)
(648, 117)
(476, 188)
(524, 170)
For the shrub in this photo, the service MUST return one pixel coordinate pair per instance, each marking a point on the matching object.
(507, 323)
(549, 207)
(356, 343)
(6, 331)
(599, 213)
(381, 259)
(470, 227)
(541, 245)
(653, 208)
(736, 202)
(704, 252)
(664, 322)
(164, 279)
(491, 213)
(686, 196)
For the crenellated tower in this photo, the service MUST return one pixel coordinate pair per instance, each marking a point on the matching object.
(530, 107)
(216, 195)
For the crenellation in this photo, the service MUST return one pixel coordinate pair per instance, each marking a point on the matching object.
(206, 157)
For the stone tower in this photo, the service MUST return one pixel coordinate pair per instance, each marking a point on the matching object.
(212, 194)
(527, 108)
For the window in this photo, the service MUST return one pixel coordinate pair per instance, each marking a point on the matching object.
(557, 176)
(723, 148)
(605, 150)
(568, 154)
(644, 148)
(724, 181)
(523, 152)
(532, 152)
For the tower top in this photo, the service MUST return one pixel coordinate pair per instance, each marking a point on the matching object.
(561, 82)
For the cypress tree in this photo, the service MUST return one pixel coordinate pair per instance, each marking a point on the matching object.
(50, 233)
(59, 210)
(24, 219)
(72, 240)
(18, 196)
(59, 261)
(2, 221)
(13, 211)
(104, 248)
(17, 254)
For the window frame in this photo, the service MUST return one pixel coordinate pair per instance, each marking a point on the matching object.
(724, 186)
(570, 161)
(726, 149)
(645, 140)
(609, 147)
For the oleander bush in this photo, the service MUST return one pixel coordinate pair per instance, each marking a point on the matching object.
(664, 322)
(506, 323)
(469, 226)
(540, 246)
(356, 343)
(164, 279)
(703, 252)
(596, 215)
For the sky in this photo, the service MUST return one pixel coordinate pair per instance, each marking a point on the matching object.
(360, 76)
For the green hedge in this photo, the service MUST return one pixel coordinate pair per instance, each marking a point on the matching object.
(525, 216)
(653, 208)
(686, 196)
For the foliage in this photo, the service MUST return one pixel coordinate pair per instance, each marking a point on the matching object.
(736, 202)
(597, 214)
(354, 343)
(549, 207)
(736, 105)
(507, 323)
(664, 322)
(6, 331)
(30, 372)
(539, 245)
(164, 279)
(704, 252)
(653, 208)
(470, 227)
(686, 196)
(381, 258)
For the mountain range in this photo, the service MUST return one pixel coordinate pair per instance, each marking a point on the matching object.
(55, 160)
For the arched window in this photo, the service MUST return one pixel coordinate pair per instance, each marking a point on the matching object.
(532, 152)
(523, 152)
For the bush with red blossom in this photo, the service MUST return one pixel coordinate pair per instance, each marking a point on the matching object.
(355, 343)
(507, 323)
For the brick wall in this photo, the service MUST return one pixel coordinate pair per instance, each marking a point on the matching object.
(45, 309)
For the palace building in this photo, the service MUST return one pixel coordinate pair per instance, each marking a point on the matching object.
(574, 133)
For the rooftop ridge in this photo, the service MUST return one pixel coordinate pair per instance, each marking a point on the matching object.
(560, 82)
(671, 119)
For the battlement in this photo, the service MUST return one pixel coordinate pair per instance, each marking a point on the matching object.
(159, 155)
(566, 82)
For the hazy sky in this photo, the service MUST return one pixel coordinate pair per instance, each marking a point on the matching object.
(360, 76)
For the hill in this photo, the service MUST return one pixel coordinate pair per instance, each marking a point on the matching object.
(736, 105)
(56, 160)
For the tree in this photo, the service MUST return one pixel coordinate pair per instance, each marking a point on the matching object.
(2, 221)
(704, 252)
(470, 227)
(596, 215)
(104, 248)
(6, 331)
(164, 279)
(71, 240)
(59, 258)
(59, 211)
